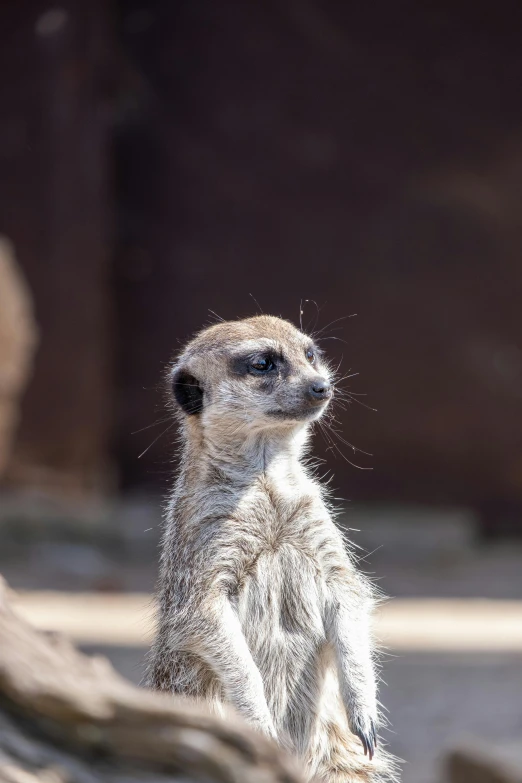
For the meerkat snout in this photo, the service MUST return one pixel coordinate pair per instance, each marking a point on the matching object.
(320, 390)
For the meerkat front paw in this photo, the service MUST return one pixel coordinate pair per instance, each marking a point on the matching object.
(364, 727)
(265, 726)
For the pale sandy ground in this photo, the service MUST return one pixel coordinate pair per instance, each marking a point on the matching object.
(453, 667)
(411, 624)
(433, 701)
(453, 632)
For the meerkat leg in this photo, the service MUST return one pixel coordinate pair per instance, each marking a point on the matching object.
(348, 631)
(215, 635)
(335, 754)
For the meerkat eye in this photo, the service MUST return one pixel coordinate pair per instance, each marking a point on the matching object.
(262, 364)
(310, 355)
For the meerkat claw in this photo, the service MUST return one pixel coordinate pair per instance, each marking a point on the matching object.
(368, 740)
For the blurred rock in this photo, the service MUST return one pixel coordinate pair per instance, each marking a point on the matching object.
(17, 344)
(476, 761)
(54, 543)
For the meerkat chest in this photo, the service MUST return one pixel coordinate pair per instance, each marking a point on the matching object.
(283, 516)
(282, 588)
(283, 592)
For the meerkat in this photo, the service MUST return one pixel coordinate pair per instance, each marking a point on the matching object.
(261, 607)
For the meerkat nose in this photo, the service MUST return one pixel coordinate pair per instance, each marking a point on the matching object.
(320, 389)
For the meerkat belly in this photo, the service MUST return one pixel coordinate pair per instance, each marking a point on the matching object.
(280, 608)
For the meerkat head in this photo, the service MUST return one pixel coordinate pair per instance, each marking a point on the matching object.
(259, 373)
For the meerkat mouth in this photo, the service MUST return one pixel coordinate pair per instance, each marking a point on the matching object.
(311, 411)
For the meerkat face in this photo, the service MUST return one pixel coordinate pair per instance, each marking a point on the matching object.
(258, 373)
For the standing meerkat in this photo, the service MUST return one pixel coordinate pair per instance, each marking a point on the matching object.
(260, 604)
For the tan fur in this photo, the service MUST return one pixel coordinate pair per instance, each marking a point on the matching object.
(261, 607)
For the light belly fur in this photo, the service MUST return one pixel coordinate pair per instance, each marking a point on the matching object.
(279, 607)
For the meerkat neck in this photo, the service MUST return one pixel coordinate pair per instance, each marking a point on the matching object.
(242, 459)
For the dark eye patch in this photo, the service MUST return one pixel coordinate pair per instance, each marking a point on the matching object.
(262, 363)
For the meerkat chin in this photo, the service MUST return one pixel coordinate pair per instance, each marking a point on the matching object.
(261, 608)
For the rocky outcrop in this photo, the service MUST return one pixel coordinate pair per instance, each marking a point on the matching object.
(17, 343)
(476, 761)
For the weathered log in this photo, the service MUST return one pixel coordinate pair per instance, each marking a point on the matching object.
(69, 718)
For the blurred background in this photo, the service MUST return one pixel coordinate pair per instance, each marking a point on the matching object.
(359, 163)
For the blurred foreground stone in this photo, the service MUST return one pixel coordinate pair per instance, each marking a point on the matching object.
(69, 718)
(476, 761)
(17, 341)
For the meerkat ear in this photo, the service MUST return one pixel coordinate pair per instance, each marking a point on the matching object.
(187, 392)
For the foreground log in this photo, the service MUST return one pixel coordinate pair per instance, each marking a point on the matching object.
(69, 718)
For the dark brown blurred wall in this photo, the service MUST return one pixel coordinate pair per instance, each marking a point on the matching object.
(365, 155)
(54, 174)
